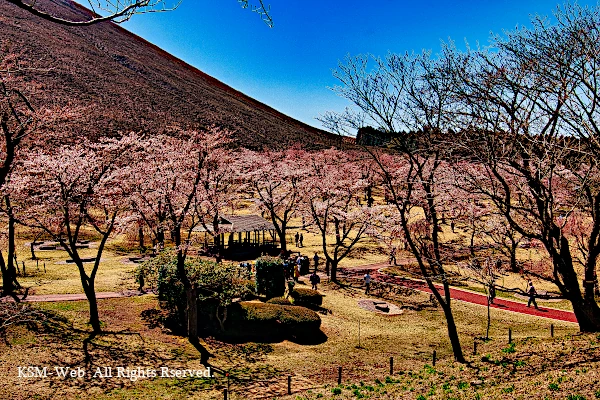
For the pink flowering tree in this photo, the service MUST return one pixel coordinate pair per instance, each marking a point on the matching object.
(275, 178)
(20, 126)
(181, 183)
(330, 187)
(77, 187)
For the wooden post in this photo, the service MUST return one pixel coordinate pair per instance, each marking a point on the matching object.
(391, 366)
(339, 375)
(434, 357)
(23, 263)
(289, 384)
(44, 267)
(474, 347)
(551, 330)
(509, 335)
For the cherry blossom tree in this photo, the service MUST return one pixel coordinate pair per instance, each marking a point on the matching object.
(80, 186)
(19, 122)
(330, 187)
(183, 182)
(275, 179)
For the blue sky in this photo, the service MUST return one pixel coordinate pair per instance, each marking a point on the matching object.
(289, 66)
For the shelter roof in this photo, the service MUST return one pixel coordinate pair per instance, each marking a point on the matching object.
(241, 223)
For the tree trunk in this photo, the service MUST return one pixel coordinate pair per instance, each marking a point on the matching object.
(192, 313)
(141, 237)
(588, 315)
(489, 320)
(513, 259)
(282, 239)
(9, 274)
(32, 251)
(333, 265)
(160, 238)
(90, 293)
(453, 333)
(223, 319)
(8, 278)
(585, 308)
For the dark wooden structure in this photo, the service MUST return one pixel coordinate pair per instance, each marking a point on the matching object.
(242, 237)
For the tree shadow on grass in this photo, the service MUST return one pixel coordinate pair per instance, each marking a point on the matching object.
(72, 348)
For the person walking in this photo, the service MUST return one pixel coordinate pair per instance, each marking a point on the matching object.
(393, 256)
(314, 280)
(367, 279)
(492, 292)
(297, 237)
(531, 292)
(316, 261)
(301, 239)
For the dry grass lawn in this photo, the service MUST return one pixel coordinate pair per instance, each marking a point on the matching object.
(262, 368)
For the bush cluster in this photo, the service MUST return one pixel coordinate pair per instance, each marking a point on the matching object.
(306, 297)
(270, 277)
(279, 300)
(218, 285)
(271, 320)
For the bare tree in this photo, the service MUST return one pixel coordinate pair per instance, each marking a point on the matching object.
(485, 272)
(530, 105)
(18, 313)
(404, 93)
(122, 10)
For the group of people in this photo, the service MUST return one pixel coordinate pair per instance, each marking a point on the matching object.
(294, 266)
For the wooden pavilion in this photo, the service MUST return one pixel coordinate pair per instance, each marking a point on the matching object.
(242, 237)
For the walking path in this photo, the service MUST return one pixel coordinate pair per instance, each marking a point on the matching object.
(74, 297)
(358, 272)
(459, 294)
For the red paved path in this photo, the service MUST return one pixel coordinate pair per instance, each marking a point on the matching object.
(460, 294)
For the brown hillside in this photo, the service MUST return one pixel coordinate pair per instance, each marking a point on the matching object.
(125, 83)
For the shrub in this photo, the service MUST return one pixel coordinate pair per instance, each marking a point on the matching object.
(270, 277)
(279, 300)
(271, 320)
(306, 297)
(218, 285)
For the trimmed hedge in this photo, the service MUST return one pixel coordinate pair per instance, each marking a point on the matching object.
(279, 300)
(270, 277)
(306, 297)
(271, 320)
